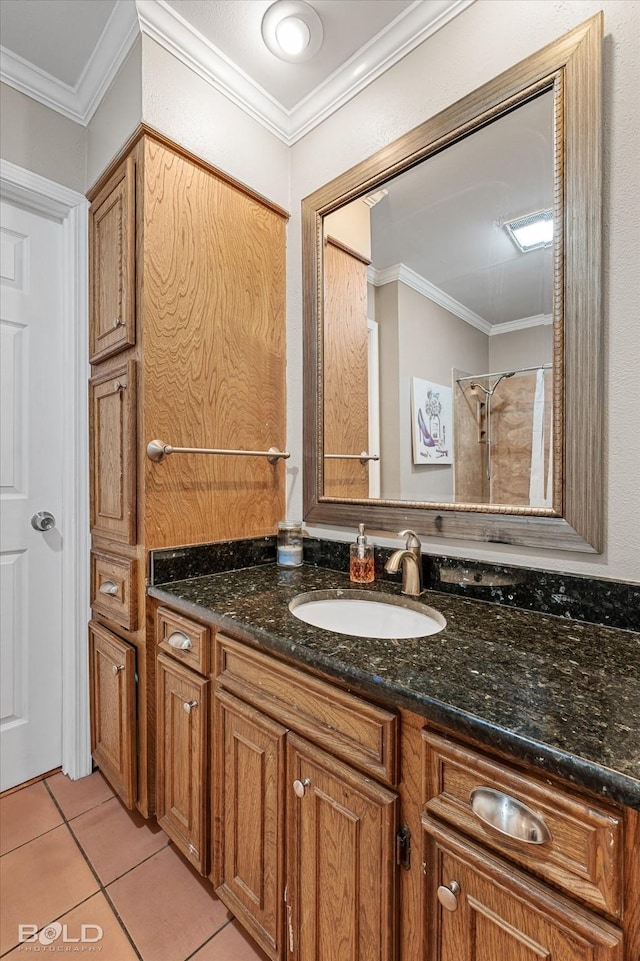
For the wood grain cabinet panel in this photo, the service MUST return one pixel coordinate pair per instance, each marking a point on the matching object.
(112, 668)
(248, 818)
(341, 873)
(112, 265)
(113, 588)
(112, 427)
(182, 796)
(494, 912)
(584, 853)
(350, 727)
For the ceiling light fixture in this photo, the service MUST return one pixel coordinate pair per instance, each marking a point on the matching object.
(531, 231)
(292, 30)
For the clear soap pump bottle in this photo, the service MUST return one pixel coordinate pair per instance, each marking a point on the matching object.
(361, 568)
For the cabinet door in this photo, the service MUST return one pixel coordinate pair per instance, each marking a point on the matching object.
(492, 911)
(112, 439)
(112, 266)
(341, 873)
(182, 796)
(112, 670)
(248, 813)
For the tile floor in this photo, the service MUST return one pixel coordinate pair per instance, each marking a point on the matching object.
(72, 855)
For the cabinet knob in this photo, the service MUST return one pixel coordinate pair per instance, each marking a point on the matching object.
(117, 668)
(180, 641)
(108, 587)
(118, 323)
(300, 787)
(448, 896)
(189, 705)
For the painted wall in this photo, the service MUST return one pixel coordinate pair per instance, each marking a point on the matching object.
(42, 140)
(521, 348)
(185, 108)
(488, 37)
(118, 115)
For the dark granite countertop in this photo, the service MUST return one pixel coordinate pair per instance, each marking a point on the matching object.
(561, 695)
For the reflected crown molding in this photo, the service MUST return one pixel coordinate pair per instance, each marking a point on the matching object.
(405, 275)
(79, 102)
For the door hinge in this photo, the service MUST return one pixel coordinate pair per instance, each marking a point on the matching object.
(403, 847)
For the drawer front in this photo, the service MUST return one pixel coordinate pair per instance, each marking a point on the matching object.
(583, 853)
(350, 728)
(113, 588)
(184, 639)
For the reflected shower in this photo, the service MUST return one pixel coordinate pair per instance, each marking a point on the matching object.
(489, 392)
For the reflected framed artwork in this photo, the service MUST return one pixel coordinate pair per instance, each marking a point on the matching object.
(431, 422)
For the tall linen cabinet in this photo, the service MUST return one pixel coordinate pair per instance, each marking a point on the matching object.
(187, 345)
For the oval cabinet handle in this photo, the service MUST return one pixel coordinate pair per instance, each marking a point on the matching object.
(189, 706)
(448, 896)
(117, 668)
(180, 641)
(118, 323)
(508, 816)
(300, 787)
(108, 587)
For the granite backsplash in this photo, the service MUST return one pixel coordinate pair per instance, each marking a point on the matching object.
(596, 601)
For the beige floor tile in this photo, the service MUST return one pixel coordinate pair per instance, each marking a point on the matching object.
(41, 881)
(96, 913)
(26, 815)
(115, 839)
(76, 797)
(230, 944)
(168, 910)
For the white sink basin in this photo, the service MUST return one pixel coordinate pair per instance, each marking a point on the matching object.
(367, 614)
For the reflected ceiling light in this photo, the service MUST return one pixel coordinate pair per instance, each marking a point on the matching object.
(531, 231)
(292, 30)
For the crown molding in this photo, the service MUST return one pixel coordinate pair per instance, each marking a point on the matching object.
(537, 320)
(77, 103)
(405, 275)
(420, 20)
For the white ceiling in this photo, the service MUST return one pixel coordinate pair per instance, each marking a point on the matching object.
(65, 53)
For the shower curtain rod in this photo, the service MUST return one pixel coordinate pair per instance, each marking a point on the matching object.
(503, 373)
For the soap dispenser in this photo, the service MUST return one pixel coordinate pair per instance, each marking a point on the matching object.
(361, 567)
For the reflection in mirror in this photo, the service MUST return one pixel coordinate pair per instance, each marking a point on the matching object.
(411, 268)
(437, 325)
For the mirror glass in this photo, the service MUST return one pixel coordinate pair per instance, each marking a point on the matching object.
(437, 325)
(453, 375)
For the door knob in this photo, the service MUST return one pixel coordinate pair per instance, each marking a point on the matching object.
(448, 896)
(43, 521)
(300, 787)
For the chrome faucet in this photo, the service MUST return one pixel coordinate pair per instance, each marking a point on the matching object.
(411, 560)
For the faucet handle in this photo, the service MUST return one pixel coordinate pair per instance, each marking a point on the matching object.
(413, 541)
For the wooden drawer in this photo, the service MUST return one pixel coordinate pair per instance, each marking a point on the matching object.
(350, 728)
(583, 855)
(184, 639)
(113, 588)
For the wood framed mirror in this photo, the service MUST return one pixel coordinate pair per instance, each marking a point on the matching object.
(447, 459)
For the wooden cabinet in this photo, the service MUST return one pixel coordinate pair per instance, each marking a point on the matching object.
(112, 256)
(341, 830)
(187, 339)
(338, 825)
(112, 671)
(183, 759)
(249, 808)
(112, 431)
(478, 908)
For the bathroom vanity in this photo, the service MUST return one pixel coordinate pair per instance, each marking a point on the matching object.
(354, 797)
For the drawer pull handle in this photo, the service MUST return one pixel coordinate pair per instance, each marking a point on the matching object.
(300, 787)
(189, 706)
(180, 641)
(508, 816)
(108, 587)
(448, 896)
(117, 668)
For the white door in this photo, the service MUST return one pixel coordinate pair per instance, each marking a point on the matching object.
(30, 482)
